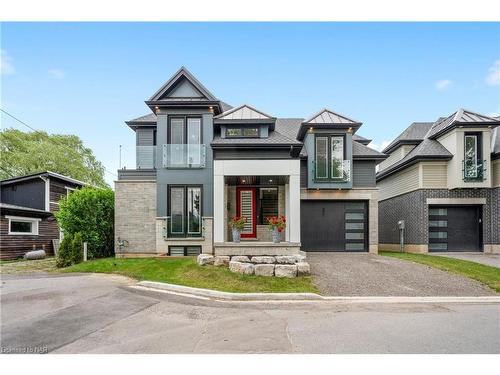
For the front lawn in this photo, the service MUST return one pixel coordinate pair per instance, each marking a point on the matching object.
(487, 275)
(185, 271)
(21, 266)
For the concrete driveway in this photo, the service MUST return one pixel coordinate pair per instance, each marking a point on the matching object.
(101, 314)
(362, 274)
(487, 259)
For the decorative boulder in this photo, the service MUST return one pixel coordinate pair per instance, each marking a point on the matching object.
(303, 269)
(264, 259)
(241, 258)
(241, 267)
(285, 270)
(204, 259)
(264, 269)
(221, 260)
(286, 259)
(35, 254)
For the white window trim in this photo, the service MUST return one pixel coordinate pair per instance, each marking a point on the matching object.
(474, 136)
(34, 226)
(68, 190)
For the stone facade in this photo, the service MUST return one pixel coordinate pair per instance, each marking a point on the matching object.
(413, 209)
(135, 217)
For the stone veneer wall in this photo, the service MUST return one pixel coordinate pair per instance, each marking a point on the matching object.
(263, 233)
(135, 216)
(413, 209)
(495, 219)
(205, 241)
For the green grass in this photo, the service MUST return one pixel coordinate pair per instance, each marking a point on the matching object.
(28, 266)
(487, 275)
(185, 271)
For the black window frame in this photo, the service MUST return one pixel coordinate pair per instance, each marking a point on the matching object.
(258, 128)
(329, 136)
(185, 247)
(185, 233)
(185, 127)
(260, 216)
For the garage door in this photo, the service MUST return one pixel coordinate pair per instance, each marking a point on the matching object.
(334, 225)
(455, 228)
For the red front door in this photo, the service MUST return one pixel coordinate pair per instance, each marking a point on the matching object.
(246, 205)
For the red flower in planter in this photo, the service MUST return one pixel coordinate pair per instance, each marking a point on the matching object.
(238, 222)
(276, 222)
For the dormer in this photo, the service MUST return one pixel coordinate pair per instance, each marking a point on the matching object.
(244, 122)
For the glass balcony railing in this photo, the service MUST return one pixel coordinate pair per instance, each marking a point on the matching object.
(145, 157)
(474, 170)
(184, 156)
(336, 171)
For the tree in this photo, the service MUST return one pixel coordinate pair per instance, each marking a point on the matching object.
(32, 152)
(89, 211)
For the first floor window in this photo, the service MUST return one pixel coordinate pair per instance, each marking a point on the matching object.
(23, 225)
(185, 211)
(268, 202)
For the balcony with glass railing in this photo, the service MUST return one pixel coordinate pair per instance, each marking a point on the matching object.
(338, 171)
(474, 170)
(184, 156)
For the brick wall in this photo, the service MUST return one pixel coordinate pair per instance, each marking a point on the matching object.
(135, 216)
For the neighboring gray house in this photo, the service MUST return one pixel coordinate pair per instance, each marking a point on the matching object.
(443, 179)
(200, 162)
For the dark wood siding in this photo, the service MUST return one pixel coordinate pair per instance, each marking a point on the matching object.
(363, 173)
(57, 191)
(15, 246)
(29, 193)
(303, 174)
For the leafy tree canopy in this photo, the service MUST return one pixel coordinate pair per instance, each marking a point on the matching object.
(26, 153)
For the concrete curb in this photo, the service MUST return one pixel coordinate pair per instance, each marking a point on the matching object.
(209, 294)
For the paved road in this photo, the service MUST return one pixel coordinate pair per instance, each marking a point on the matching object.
(352, 274)
(488, 259)
(101, 314)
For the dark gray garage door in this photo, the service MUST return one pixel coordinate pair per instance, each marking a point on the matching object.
(334, 225)
(455, 228)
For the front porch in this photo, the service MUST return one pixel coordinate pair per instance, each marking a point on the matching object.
(268, 189)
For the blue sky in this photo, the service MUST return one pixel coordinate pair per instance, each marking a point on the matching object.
(88, 78)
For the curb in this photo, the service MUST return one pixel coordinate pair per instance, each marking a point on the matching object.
(209, 294)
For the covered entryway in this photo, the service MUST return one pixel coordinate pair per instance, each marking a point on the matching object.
(455, 228)
(332, 225)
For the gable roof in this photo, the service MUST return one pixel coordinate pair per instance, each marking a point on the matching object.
(42, 174)
(244, 112)
(413, 134)
(173, 82)
(461, 117)
(327, 116)
(428, 149)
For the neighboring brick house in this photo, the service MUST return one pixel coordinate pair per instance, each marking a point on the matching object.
(201, 161)
(443, 179)
(26, 212)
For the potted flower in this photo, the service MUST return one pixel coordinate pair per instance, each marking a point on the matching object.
(276, 225)
(237, 224)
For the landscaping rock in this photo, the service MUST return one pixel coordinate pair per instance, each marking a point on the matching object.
(264, 259)
(241, 258)
(35, 254)
(264, 269)
(221, 260)
(285, 270)
(287, 259)
(204, 259)
(241, 267)
(303, 269)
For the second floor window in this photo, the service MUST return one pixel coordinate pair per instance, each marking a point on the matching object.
(242, 132)
(185, 137)
(329, 157)
(472, 155)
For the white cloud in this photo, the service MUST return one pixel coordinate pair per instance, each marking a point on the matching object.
(381, 146)
(493, 77)
(6, 65)
(57, 73)
(443, 84)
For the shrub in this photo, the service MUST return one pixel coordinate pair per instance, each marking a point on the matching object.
(70, 251)
(90, 212)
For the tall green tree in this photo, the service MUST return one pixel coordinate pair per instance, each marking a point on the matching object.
(23, 153)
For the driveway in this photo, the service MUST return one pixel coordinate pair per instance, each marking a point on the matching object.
(487, 259)
(101, 314)
(362, 274)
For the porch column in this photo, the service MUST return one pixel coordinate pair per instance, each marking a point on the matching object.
(219, 208)
(287, 210)
(293, 202)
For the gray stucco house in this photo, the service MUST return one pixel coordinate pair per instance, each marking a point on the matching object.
(201, 161)
(443, 179)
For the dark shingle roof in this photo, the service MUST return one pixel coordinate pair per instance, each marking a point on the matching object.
(360, 139)
(427, 149)
(462, 116)
(149, 119)
(360, 151)
(413, 134)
